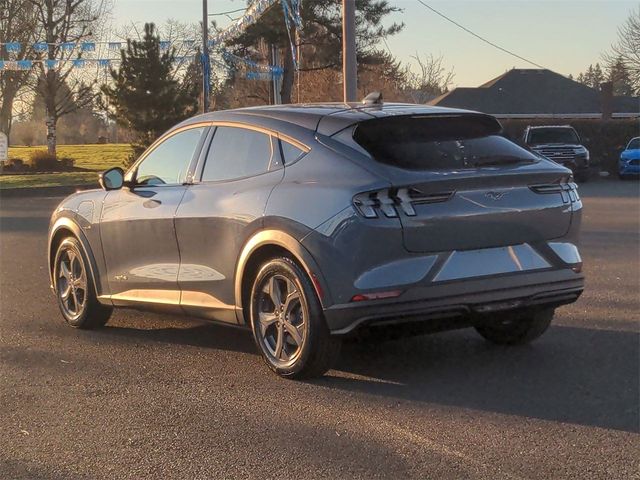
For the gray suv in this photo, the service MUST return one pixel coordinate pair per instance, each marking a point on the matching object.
(309, 223)
(562, 144)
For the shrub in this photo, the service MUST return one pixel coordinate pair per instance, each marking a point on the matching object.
(14, 164)
(42, 160)
(66, 163)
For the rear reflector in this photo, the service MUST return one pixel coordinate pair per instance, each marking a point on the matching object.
(361, 297)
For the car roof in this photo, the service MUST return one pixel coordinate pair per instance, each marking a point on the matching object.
(324, 118)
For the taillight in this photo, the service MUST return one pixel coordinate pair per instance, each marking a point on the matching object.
(389, 202)
(567, 188)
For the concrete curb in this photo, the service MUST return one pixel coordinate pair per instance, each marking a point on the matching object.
(59, 191)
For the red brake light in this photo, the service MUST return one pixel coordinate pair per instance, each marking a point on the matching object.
(361, 297)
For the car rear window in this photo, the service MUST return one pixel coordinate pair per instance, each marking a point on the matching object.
(439, 143)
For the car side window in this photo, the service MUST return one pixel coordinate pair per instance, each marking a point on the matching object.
(237, 152)
(167, 164)
(290, 152)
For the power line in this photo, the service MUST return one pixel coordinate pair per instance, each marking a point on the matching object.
(478, 36)
(227, 13)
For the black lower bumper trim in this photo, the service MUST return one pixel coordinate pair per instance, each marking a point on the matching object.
(344, 319)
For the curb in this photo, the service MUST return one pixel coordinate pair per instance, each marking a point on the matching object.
(60, 191)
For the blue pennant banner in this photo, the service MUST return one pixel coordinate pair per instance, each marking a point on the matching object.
(24, 64)
(41, 46)
(88, 47)
(12, 46)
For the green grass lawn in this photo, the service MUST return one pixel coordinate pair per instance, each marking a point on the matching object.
(91, 157)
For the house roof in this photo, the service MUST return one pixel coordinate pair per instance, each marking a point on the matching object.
(521, 92)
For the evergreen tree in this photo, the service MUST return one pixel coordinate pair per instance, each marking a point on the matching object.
(592, 77)
(618, 74)
(145, 97)
(588, 76)
(598, 77)
(321, 36)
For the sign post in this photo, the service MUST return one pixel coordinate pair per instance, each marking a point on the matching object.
(4, 149)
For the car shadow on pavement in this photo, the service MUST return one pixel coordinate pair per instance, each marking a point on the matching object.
(575, 375)
(194, 334)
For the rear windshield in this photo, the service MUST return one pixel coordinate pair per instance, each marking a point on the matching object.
(439, 143)
(540, 136)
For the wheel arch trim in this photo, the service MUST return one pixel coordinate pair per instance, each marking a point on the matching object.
(66, 223)
(278, 238)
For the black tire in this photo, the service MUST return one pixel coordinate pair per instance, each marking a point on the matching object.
(313, 350)
(517, 329)
(87, 312)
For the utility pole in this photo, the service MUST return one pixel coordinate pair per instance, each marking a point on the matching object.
(349, 65)
(205, 58)
(275, 79)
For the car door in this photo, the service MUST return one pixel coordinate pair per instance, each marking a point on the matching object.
(219, 211)
(137, 223)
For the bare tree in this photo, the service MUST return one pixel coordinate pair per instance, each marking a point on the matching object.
(627, 48)
(431, 79)
(65, 23)
(17, 24)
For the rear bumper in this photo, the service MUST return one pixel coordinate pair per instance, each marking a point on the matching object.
(460, 298)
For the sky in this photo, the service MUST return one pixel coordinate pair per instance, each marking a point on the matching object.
(564, 36)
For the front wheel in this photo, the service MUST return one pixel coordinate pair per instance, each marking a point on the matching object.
(516, 329)
(287, 322)
(74, 289)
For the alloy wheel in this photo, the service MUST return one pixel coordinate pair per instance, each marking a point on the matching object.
(71, 283)
(281, 321)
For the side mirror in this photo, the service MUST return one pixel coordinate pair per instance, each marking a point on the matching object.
(112, 179)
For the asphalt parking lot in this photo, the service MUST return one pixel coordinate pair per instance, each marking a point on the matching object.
(151, 396)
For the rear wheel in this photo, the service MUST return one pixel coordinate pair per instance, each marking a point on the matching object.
(74, 289)
(516, 329)
(287, 322)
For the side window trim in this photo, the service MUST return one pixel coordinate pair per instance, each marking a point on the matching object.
(303, 151)
(198, 169)
(209, 142)
(190, 173)
(277, 158)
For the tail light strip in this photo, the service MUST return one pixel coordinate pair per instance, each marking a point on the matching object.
(569, 191)
(388, 201)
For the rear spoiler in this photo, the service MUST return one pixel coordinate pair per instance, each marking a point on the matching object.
(335, 122)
